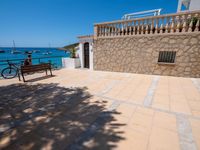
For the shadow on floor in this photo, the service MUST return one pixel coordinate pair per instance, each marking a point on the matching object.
(47, 116)
(40, 78)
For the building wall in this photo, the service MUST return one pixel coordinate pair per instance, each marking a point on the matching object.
(80, 54)
(91, 56)
(139, 54)
(194, 5)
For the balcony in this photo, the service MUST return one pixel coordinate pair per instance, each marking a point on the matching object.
(184, 22)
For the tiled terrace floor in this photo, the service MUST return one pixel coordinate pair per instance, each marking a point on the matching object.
(82, 109)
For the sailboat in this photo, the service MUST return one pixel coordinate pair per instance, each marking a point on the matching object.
(14, 51)
(48, 52)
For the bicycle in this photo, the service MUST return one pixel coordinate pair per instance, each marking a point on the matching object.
(11, 71)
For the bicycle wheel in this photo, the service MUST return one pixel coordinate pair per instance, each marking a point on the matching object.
(9, 73)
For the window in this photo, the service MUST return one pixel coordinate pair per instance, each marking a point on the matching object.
(167, 57)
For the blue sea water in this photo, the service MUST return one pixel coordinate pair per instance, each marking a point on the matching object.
(39, 55)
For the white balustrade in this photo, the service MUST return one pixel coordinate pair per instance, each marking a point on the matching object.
(164, 24)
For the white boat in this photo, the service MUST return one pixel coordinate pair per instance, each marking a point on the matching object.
(14, 51)
(47, 53)
(36, 51)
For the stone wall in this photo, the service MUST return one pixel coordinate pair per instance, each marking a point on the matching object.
(139, 54)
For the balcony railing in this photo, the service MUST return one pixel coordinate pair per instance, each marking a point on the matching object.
(163, 24)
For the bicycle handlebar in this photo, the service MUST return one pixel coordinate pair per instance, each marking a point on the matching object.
(9, 63)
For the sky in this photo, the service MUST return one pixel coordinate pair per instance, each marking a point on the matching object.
(40, 23)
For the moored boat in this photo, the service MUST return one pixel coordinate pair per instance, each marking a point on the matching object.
(2, 51)
(47, 53)
(16, 52)
(36, 51)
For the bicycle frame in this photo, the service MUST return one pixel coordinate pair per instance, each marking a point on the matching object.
(12, 65)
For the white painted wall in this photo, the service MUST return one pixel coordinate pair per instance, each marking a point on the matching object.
(91, 56)
(71, 63)
(80, 54)
(194, 5)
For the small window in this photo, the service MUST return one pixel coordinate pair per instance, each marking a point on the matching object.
(167, 57)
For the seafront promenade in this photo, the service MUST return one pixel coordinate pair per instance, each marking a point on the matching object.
(83, 109)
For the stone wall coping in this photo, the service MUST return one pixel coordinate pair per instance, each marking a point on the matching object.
(86, 37)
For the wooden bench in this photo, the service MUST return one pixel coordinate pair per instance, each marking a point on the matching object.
(35, 68)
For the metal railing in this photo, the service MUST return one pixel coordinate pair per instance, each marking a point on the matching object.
(154, 12)
(171, 23)
(56, 61)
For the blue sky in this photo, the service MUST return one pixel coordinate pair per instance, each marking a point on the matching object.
(36, 23)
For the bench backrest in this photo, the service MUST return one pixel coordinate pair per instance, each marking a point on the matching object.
(35, 68)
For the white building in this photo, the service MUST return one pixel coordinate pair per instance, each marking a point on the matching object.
(85, 51)
(188, 5)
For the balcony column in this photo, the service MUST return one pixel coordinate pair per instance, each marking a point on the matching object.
(156, 28)
(96, 34)
(197, 24)
(161, 26)
(152, 26)
(184, 24)
(138, 27)
(167, 26)
(134, 26)
(147, 27)
(178, 24)
(172, 25)
(190, 24)
(142, 28)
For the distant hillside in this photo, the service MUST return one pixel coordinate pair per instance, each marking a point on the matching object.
(71, 46)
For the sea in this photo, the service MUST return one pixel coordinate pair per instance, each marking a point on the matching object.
(39, 55)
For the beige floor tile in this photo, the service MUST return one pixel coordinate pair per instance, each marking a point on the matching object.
(145, 111)
(194, 105)
(162, 99)
(180, 107)
(163, 139)
(141, 123)
(120, 119)
(138, 98)
(196, 113)
(161, 106)
(165, 121)
(115, 91)
(134, 141)
(126, 92)
(177, 97)
(126, 110)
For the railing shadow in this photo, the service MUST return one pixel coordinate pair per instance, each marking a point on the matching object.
(47, 116)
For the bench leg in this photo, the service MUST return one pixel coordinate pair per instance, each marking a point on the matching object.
(19, 76)
(46, 72)
(23, 77)
(50, 72)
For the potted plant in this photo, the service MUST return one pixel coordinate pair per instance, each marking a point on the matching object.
(73, 61)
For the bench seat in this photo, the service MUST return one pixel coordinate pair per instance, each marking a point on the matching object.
(35, 68)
